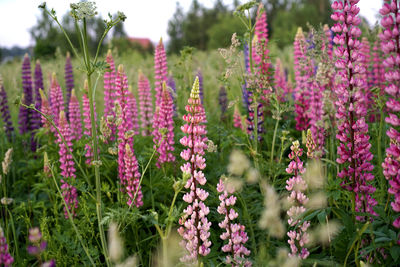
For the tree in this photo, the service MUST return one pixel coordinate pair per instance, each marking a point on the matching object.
(175, 30)
(221, 32)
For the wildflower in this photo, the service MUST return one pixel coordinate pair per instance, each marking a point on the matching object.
(390, 46)
(354, 146)
(69, 79)
(145, 104)
(88, 123)
(234, 232)
(378, 70)
(7, 161)
(5, 112)
(57, 100)
(164, 142)
(109, 91)
(115, 244)
(161, 71)
(38, 82)
(6, 201)
(83, 10)
(46, 110)
(282, 88)
(133, 111)
(75, 119)
(298, 236)
(223, 102)
(327, 45)
(171, 85)
(310, 144)
(67, 167)
(5, 257)
(25, 115)
(194, 224)
(238, 163)
(38, 245)
(237, 119)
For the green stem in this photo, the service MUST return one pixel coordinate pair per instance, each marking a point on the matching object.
(71, 219)
(273, 141)
(359, 234)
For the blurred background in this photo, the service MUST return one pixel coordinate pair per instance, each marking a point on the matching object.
(202, 24)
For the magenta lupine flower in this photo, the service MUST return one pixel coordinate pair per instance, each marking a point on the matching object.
(45, 109)
(303, 71)
(5, 257)
(25, 115)
(327, 45)
(88, 124)
(378, 73)
(133, 113)
(161, 71)
(145, 104)
(194, 224)
(109, 91)
(237, 119)
(298, 236)
(132, 177)
(128, 170)
(234, 233)
(57, 99)
(75, 119)
(67, 166)
(163, 133)
(354, 146)
(365, 51)
(5, 112)
(316, 114)
(390, 46)
(281, 85)
(69, 78)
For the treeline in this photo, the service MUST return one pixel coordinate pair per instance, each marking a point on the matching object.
(209, 28)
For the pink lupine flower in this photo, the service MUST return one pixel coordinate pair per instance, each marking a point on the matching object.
(57, 100)
(145, 103)
(365, 51)
(87, 124)
(128, 170)
(109, 92)
(234, 232)
(391, 47)
(354, 148)
(327, 45)
(75, 119)
(194, 224)
(303, 71)
(298, 236)
(67, 166)
(161, 71)
(45, 109)
(5, 257)
(237, 119)
(316, 114)
(133, 114)
(378, 72)
(163, 133)
(281, 85)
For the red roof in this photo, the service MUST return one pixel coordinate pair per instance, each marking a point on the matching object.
(144, 42)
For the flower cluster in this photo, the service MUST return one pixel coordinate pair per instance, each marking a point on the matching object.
(390, 46)
(234, 232)
(5, 257)
(25, 115)
(69, 79)
(75, 119)
(354, 148)
(109, 91)
(378, 70)
(67, 166)
(296, 186)
(56, 100)
(237, 119)
(281, 85)
(163, 133)
(133, 114)
(87, 124)
(5, 112)
(38, 81)
(38, 245)
(145, 104)
(194, 224)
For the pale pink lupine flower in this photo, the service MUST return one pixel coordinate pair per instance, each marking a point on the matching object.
(75, 119)
(87, 124)
(145, 104)
(109, 91)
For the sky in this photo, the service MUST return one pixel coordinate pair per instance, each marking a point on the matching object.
(145, 18)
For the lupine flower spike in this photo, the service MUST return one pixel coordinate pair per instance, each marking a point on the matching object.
(234, 233)
(57, 99)
(67, 166)
(354, 148)
(171, 84)
(109, 92)
(390, 46)
(161, 71)
(5, 257)
(75, 119)
(133, 111)
(223, 102)
(281, 85)
(5, 112)
(38, 100)
(25, 115)
(237, 119)
(145, 103)
(298, 236)
(69, 78)
(87, 124)
(37, 246)
(45, 109)
(194, 224)
(378, 71)
(163, 133)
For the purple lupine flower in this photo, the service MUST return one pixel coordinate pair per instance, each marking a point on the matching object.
(234, 233)
(67, 166)
(69, 79)
(354, 148)
(87, 123)
(163, 134)
(75, 119)
(37, 244)
(223, 102)
(5, 112)
(298, 236)
(171, 84)
(38, 78)
(316, 115)
(390, 46)
(145, 103)
(303, 72)
(5, 257)
(194, 224)
(109, 92)
(25, 115)
(128, 170)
